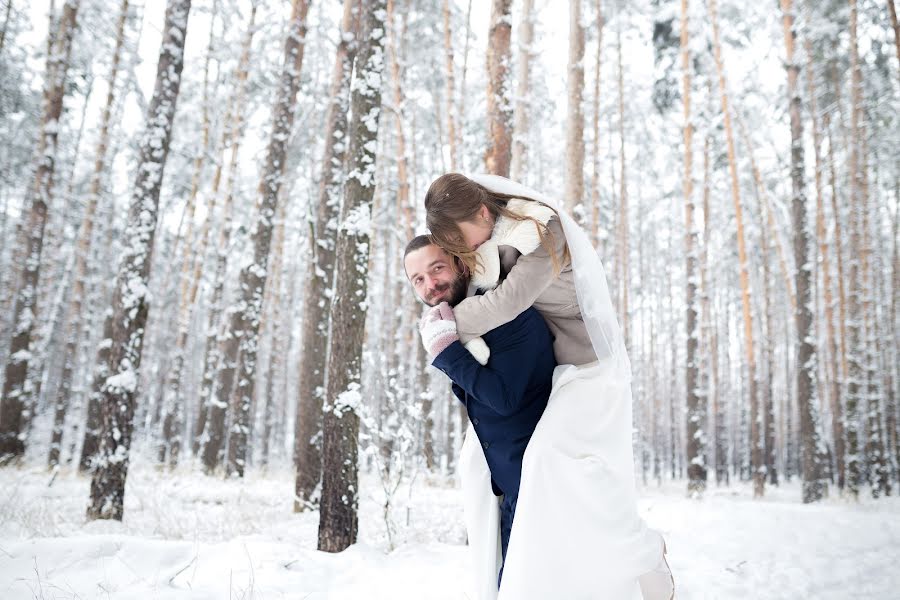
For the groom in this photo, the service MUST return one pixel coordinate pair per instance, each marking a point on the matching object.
(504, 398)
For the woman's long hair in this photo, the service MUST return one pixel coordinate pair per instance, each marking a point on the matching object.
(453, 198)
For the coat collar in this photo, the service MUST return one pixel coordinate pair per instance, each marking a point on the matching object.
(521, 235)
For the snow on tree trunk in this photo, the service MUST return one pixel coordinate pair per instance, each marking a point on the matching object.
(622, 244)
(574, 180)
(452, 134)
(16, 396)
(499, 107)
(749, 353)
(210, 421)
(82, 251)
(317, 292)
(832, 388)
(519, 162)
(855, 358)
(247, 310)
(811, 447)
(338, 522)
(131, 296)
(696, 402)
(173, 403)
(595, 122)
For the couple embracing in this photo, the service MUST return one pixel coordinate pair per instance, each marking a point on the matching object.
(522, 323)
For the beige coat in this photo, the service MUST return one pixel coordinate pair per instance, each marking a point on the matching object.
(530, 281)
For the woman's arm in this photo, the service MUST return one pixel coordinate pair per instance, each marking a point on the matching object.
(532, 274)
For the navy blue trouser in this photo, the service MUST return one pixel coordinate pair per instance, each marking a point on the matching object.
(507, 512)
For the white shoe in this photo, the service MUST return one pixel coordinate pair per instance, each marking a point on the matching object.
(658, 584)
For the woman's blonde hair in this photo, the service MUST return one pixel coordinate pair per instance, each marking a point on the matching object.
(453, 198)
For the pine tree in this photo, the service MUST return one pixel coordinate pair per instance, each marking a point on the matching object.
(131, 301)
(16, 396)
(245, 314)
(338, 521)
(76, 319)
(499, 108)
(317, 293)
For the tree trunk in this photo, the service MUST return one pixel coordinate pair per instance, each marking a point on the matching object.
(832, 391)
(130, 296)
(317, 292)
(338, 522)
(622, 263)
(742, 252)
(814, 485)
(246, 312)
(172, 409)
(595, 120)
(895, 26)
(499, 111)
(519, 161)
(450, 85)
(75, 318)
(696, 402)
(232, 133)
(16, 394)
(856, 374)
(575, 118)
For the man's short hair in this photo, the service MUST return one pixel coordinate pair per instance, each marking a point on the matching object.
(417, 243)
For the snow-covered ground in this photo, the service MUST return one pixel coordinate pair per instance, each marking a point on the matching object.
(190, 536)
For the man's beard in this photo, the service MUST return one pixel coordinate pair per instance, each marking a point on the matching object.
(457, 287)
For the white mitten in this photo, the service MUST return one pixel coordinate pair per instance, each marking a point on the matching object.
(479, 350)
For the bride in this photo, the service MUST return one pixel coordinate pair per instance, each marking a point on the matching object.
(576, 532)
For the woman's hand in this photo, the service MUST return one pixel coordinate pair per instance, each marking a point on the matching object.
(438, 329)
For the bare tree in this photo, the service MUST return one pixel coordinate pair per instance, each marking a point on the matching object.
(130, 295)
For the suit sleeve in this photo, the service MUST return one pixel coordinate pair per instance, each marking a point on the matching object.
(500, 384)
(530, 276)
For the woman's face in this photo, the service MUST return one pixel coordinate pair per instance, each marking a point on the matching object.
(477, 231)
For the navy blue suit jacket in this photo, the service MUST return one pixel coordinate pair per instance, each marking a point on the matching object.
(505, 398)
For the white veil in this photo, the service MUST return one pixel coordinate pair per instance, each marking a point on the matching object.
(590, 277)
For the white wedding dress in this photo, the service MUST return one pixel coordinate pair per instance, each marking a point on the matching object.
(576, 533)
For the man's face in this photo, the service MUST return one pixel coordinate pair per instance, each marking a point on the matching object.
(431, 273)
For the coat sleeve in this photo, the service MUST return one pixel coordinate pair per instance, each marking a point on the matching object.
(501, 384)
(530, 276)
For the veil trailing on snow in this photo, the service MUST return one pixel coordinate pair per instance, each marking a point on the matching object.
(590, 277)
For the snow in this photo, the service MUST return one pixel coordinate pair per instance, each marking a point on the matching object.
(186, 535)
